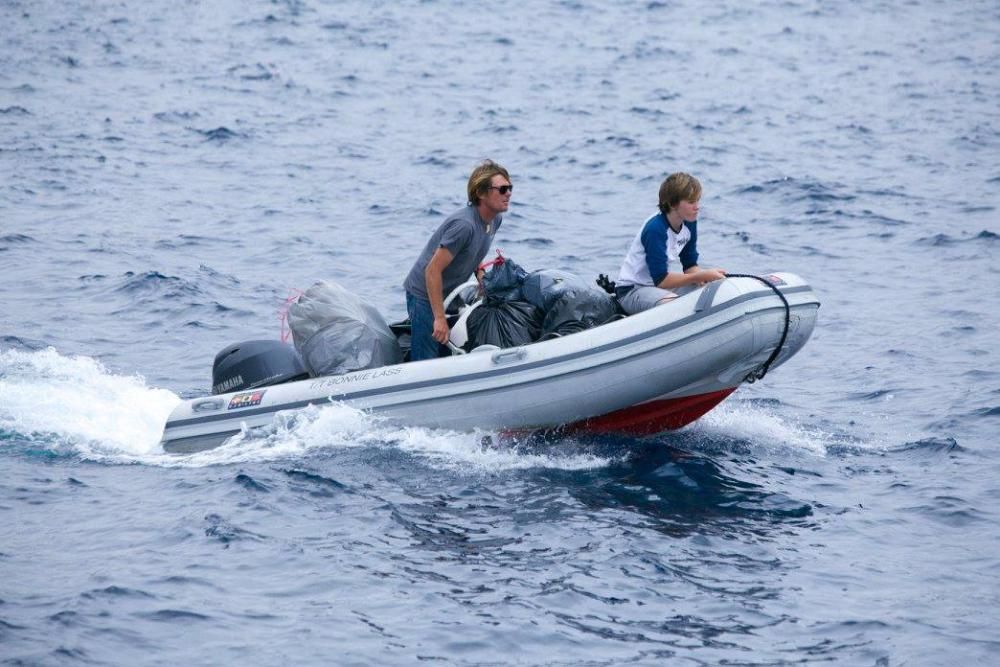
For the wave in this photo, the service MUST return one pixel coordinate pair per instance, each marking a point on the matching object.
(74, 406)
(17, 342)
(756, 425)
(792, 189)
(220, 134)
(257, 72)
(176, 116)
(945, 445)
(156, 282)
(13, 239)
(942, 240)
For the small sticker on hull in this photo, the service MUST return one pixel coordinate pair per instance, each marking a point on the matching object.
(774, 280)
(246, 400)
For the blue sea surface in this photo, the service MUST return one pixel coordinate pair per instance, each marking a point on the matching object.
(170, 173)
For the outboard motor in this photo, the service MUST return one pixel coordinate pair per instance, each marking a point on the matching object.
(255, 363)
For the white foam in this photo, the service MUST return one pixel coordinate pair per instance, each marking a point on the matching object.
(75, 405)
(467, 450)
(760, 425)
(336, 426)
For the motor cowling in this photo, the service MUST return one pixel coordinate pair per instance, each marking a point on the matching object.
(255, 363)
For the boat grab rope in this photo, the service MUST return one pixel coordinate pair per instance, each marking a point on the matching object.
(759, 373)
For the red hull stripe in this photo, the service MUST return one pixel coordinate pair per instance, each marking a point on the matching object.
(654, 416)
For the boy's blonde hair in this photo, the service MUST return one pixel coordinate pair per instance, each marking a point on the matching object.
(676, 188)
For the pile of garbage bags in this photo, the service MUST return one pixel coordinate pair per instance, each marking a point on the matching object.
(521, 307)
(335, 332)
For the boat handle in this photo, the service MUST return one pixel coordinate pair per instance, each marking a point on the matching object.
(508, 356)
(208, 405)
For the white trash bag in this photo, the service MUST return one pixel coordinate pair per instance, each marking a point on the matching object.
(335, 332)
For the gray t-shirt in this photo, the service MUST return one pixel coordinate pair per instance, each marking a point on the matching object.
(464, 235)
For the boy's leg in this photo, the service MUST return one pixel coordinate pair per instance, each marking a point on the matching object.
(644, 298)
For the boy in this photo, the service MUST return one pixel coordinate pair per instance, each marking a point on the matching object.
(662, 261)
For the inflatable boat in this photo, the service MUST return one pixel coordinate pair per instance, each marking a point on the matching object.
(657, 370)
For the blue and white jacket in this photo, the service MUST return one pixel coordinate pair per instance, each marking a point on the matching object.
(656, 249)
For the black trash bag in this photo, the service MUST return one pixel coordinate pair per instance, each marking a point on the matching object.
(575, 311)
(503, 281)
(544, 286)
(466, 296)
(504, 324)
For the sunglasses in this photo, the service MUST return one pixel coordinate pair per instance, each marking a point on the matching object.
(503, 189)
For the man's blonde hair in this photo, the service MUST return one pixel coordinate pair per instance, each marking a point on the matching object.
(481, 179)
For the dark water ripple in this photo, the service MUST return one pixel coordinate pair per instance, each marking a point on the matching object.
(173, 173)
(218, 528)
(115, 592)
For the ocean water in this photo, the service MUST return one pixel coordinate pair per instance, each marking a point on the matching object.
(172, 172)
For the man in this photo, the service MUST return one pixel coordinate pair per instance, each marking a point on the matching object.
(452, 254)
(662, 260)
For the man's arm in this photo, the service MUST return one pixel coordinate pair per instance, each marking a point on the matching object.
(441, 258)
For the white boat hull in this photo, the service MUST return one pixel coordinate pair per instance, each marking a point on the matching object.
(657, 370)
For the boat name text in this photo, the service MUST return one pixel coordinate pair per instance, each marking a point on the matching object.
(358, 376)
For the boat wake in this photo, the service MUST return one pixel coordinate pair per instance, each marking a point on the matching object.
(758, 423)
(74, 406)
(55, 405)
